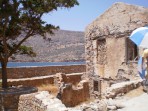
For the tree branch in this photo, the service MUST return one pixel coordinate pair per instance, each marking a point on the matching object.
(30, 33)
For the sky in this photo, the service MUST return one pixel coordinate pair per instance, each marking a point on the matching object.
(78, 17)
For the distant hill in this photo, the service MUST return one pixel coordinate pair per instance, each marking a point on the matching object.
(62, 46)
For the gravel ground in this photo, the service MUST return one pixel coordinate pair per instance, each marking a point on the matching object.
(139, 103)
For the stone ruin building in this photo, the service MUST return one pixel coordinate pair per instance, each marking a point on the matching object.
(110, 55)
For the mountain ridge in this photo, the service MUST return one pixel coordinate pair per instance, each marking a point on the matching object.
(63, 46)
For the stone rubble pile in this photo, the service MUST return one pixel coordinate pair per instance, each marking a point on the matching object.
(114, 105)
(96, 105)
(121, 88)
(43, 101)
(40, 101)
(71, 94)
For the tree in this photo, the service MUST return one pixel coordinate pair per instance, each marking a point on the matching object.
(22, 18)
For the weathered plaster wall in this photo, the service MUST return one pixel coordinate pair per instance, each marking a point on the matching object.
(28, 72)
(115, 55)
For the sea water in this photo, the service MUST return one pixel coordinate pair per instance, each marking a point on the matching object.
(36, 64)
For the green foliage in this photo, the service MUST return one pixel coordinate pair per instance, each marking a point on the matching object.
(21, 19)
(27, 50)
(21, 15)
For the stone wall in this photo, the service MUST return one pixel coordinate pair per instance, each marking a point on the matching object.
(70, 93)
(116, 56)
(122, 88)
(89, 56)
(9, 98)
(72, 96)
(40, 101)
(115, 60)
(119, 18)
(43, 101)
(37, 81)
(34, 81)
(106, 45)
(28, 72)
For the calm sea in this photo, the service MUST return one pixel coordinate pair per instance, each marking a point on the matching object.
(35, 64)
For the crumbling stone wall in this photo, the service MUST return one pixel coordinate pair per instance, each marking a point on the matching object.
(37, 81)
(114, 26)
(28, 72)
(34, 81)
(9, 98)
(40, 101)
(70, 93)
(122, 88)
(72, 96)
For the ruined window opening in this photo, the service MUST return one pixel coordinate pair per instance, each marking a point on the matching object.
(131, 51)
(96, 86)
(101, 51)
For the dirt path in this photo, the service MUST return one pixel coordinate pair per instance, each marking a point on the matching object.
(137, 101)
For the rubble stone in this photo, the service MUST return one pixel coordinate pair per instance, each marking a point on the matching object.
(123, 87)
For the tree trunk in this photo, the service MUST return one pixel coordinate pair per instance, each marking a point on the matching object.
(4, 74)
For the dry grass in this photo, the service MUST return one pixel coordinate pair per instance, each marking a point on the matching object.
(135, 92)
(52, 89)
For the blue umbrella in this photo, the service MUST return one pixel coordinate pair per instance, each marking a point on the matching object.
(140, 37)
(141, 68)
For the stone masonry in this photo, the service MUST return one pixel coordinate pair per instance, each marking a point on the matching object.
(71, 93)
(40, 101)
(108, 53)
(9, 98)
(28, 72)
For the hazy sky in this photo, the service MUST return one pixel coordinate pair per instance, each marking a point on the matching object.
(78, 17)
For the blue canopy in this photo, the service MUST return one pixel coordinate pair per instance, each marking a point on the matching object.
(141, 70)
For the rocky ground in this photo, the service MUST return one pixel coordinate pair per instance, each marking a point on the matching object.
(135, 100)
(138, 103)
